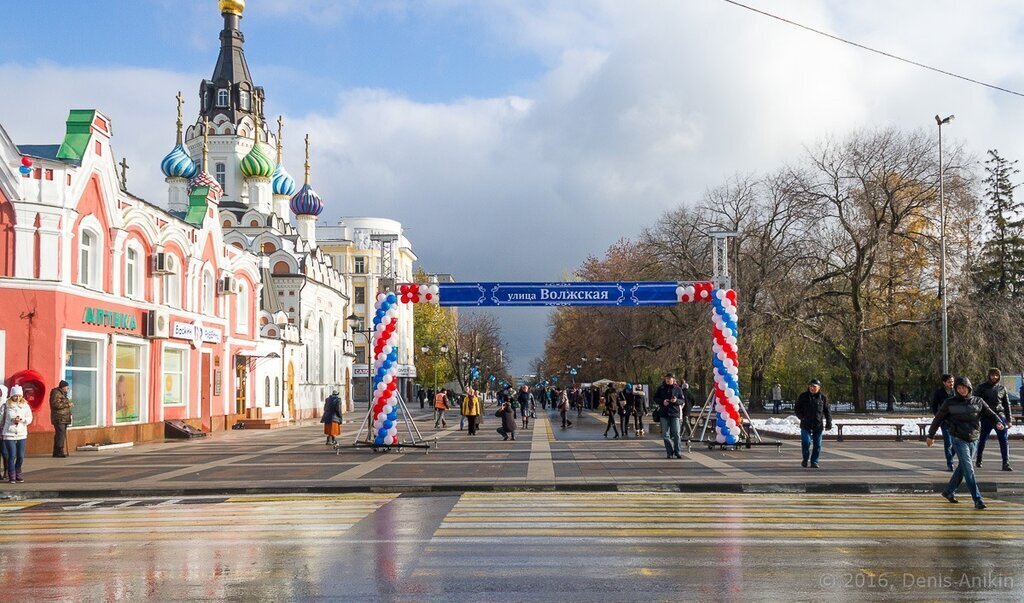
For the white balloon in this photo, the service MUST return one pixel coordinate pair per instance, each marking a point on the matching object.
(720, 439)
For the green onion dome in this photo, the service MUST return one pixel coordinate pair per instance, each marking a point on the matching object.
(257, 164)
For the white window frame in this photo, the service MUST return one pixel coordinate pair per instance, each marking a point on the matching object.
(220, 173)
(134, 284)
(185, 369)
(223, 97)
(208, 292)
(174, 276)
(143, 346)
(357, 269)
(245, 100)
(242, 307)
(101, 370)
(92, 274)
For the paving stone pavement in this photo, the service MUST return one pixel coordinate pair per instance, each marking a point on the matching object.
(542, 457)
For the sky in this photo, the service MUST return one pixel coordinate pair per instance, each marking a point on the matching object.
(513, 138)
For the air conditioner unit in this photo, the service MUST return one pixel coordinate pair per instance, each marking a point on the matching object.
(157, 324)
(227, 285)
(162, 263)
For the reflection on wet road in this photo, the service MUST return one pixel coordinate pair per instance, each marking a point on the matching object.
(600, 546)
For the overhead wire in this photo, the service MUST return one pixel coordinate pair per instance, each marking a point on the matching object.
(870, 49)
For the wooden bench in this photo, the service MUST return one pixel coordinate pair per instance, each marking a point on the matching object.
(898, 426)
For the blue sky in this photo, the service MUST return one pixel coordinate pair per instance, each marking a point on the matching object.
(513, 138)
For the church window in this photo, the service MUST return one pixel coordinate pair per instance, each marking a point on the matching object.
(244, 100)
(220, 172)
(222, 97)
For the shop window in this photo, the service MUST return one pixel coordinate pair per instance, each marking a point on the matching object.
(360, 295)
(132, 274)
(173, 380)
(81, 371)
(222, 97)
(242, 309)
(360, 265)
(127, 383)
(208, 292)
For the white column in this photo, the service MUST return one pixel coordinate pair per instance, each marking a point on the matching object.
(24, 244)
(260, 194)
(307, 229)
(49, 247)
(282, 206)
(177, 194)
(117, 240)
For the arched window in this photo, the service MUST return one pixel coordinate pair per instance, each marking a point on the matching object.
(269, 248)
(222, 97)
(172, 283)
(226, 224)
(266, 401)
(242, 308)
(254, 223)
(206, 99)
(133, 274)
(208, 292)
(90, 259)
(281, 267)
(322, 373)
(244, 100)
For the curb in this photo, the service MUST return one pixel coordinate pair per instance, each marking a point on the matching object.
(414, 490)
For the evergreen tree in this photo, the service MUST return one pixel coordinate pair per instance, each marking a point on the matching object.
(1001, 269)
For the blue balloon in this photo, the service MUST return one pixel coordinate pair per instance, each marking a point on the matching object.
(393, 415)
(392, 299)
(25, 170)
(388, 424)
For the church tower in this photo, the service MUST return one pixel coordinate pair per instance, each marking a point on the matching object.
(232, 105)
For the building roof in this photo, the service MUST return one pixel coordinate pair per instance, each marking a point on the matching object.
(42, 151)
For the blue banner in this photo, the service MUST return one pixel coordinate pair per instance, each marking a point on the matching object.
(558, 294)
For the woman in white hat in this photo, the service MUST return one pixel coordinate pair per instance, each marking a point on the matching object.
(15, 417)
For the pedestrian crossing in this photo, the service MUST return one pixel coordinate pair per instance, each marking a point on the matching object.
(241, 518)
(777, 517)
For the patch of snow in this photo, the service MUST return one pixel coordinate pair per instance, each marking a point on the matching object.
(791, 426)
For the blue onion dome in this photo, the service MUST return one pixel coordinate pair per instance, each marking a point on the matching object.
(306, 202)
(284, 184)
(257, 164)
(177, 163)
(205, 179)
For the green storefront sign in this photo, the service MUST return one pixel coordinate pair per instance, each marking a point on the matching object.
(108, 318)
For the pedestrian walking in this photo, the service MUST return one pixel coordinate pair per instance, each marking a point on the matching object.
(331, 418)
(563, 407)
(626, 409)
(440, 406)
(942, 394)
(471, 410)
(611, 410)
(523, 398)
(962, 415)
(994, 394)
(15, 417)
(421, 394)
(508, 421)
(812, 408)
(776, 398)
(667, 400)
(685, 406)
(60, 417)
(639, 410)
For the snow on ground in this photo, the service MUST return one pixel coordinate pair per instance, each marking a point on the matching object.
(791, 426)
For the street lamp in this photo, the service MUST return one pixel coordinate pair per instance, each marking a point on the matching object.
(942, 248)
(354, 320)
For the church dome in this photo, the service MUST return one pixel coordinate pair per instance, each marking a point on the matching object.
(306, 202)
(284, 184)
(235, 7)
(177, 164)
(257, 164)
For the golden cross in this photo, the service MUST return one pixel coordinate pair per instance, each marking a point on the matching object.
(307, 158)
(180, 101)
(280, 144)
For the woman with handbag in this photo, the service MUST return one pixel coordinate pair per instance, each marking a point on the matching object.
(15, 417)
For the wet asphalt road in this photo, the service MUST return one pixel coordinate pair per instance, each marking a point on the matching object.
(647, 546)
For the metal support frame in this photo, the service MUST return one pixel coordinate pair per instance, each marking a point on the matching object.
(386, 282)
(720, 258)
(416, 439)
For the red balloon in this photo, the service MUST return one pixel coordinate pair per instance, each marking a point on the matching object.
(415, 298)
(430, 296)
(26, 161)
(405, 298)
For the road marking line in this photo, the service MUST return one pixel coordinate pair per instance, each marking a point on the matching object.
(540, 467)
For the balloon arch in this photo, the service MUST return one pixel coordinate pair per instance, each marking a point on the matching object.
(386, 402)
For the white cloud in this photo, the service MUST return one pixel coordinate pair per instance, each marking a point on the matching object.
(644, 105)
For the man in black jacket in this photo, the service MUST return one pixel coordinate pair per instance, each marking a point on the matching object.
(940, 396)
(667, 400)
(962, 415)
(994, 394)
(815, 418)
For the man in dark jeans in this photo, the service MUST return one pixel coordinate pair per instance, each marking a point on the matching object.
(994, 394)
(941, 395)
(962, 415)
(812, 408)
(667, 400)
(60, 416)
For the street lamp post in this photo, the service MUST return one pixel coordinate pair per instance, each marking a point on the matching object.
(354, 321)
(942, 249)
